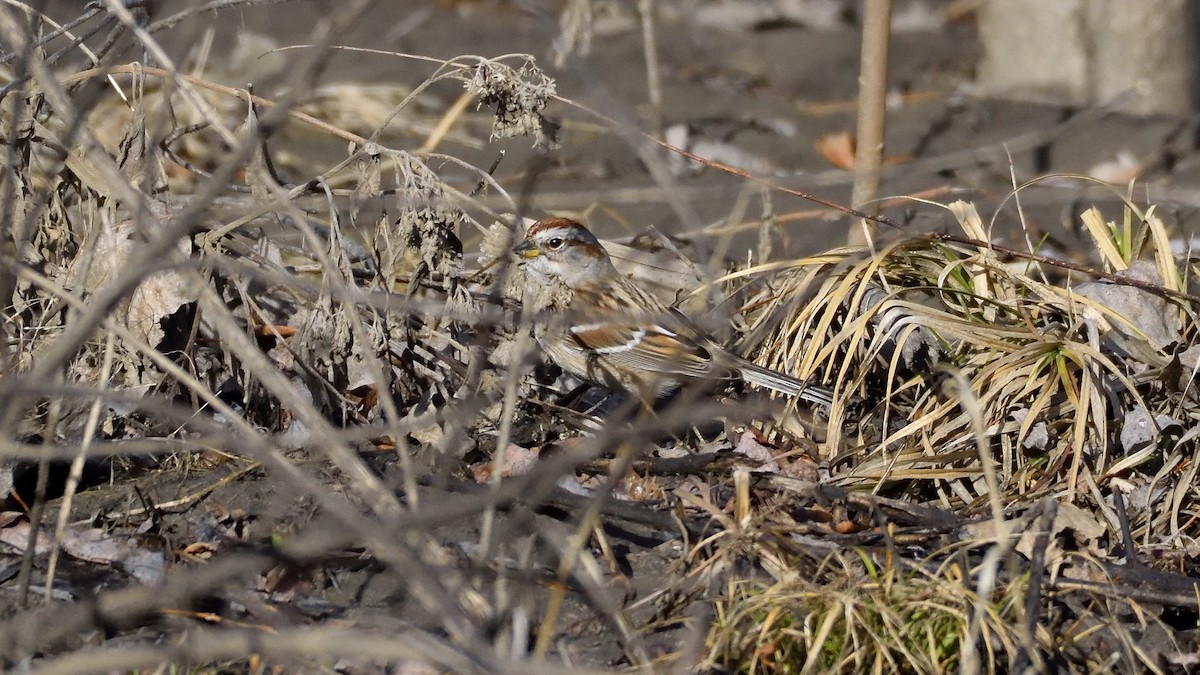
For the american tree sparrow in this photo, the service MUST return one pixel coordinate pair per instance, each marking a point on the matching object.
(595, 323)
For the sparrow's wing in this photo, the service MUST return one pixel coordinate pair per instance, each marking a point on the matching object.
(647, 347)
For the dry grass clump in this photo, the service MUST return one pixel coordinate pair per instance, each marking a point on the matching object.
(984, 357)
(872, 620)
(1003, 383)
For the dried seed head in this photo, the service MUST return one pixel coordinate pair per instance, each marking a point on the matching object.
(517, 97)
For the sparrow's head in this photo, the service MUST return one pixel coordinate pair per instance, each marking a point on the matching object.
(560, 249)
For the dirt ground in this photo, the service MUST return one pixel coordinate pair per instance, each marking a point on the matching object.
(773, 88)
(767, 91)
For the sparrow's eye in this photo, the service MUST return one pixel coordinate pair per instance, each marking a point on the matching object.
(555, 243)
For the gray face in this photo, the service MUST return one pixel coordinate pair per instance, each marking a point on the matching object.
(571, 255)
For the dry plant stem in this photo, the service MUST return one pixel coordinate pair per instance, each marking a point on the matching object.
(354, 529)
(653, 77)
(62, 453)
(987, 154)
(378, 498)
(186, 381)
(1033, 590)
(344, 292)
(521, 349)
(986, 575)
(570, 556)
(1156, 289)
(59, 29)
(76, 78)
(76, 40)
(872, 113)
(32, 632)
(951, 160)
(63, 106)
(53, 418)
(188, 499)
(967, 400)
(448, 119)
(400, 556)
(741, 492)
(281, 648)
(163, 240)
(423, 583)
(76, 473)
(734, 170)
(389, 302)
(201, 8)
(596, 584)
(119, 9)
(250, 437)
(20, 636)
(671, 190)
(447, 68)
(987, 572)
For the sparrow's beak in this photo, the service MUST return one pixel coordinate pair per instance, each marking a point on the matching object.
(527, 249)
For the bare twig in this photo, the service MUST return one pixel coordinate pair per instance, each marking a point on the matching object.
(872, 113)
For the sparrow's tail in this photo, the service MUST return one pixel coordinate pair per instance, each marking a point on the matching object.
(784, 384)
